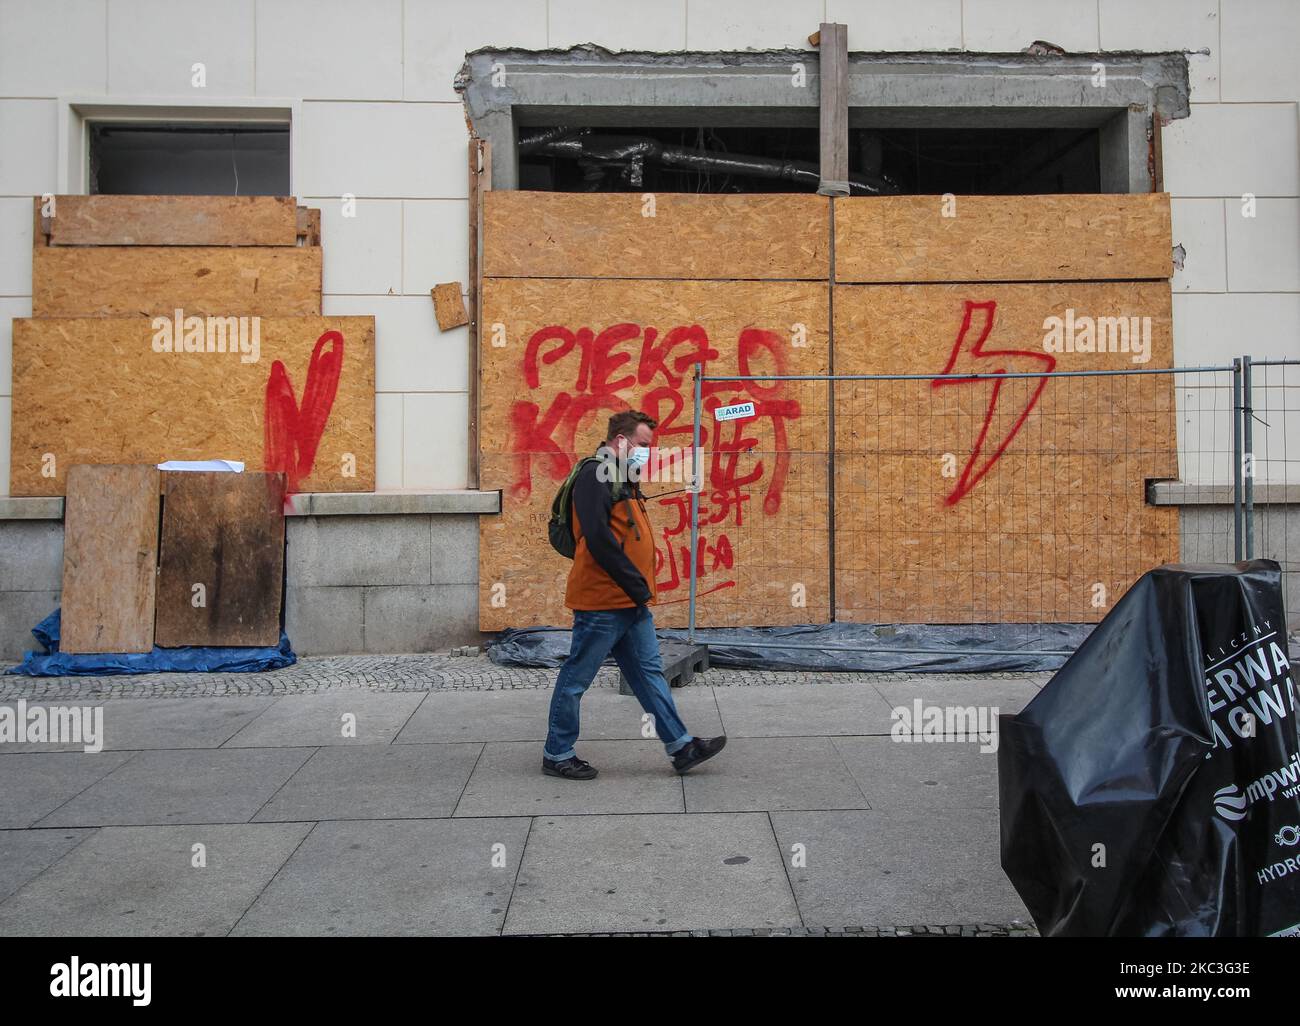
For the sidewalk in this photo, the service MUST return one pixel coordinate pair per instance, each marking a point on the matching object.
(436, 819)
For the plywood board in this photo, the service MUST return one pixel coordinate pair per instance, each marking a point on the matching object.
(221, 565)
(173, 221)
(575, 352)
(110, 552)
(449, 306)
(586, 310)
(133, 281)
(309, 226)
(660, 235)
(95, 390)
(755, 566)
(1002, 238)
(953, 508)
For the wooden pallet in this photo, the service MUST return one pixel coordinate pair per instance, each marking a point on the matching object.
(681, 663)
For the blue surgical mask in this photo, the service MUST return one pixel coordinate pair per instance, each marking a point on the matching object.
(639, 456)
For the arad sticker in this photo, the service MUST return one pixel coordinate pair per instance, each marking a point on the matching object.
(735, 412)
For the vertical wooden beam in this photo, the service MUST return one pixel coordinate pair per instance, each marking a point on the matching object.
(833, 78)
(480, 180)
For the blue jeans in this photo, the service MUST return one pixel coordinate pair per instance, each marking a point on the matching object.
(630, 633)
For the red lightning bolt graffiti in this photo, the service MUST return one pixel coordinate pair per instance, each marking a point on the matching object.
(970, 476)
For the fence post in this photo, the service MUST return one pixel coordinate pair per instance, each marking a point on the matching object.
(1237, 496)
(1248, 457)
(695, 499)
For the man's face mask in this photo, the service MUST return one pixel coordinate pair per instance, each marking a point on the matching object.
(638, 456)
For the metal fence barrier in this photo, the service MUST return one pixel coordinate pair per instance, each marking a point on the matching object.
(1015, 499)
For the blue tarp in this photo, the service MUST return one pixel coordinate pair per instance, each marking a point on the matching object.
(195, 659)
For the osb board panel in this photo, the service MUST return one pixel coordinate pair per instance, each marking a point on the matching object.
(131, 281)
(556, 358)
(576, 351)
(449, 306)
(1002, 238)
(174, 221)
(110, 552)
(755, 567)
(221, 564)
(95, 390)
(576, 235)
(1023, 535)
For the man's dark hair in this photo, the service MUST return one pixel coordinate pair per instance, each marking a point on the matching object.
(625, 421)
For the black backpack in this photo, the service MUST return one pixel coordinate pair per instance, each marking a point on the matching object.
(560, 528)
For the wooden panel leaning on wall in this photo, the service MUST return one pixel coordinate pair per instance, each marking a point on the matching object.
(221, 559)
(110, 553)
(292, 394)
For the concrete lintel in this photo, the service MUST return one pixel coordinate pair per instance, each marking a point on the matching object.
(590, 86)
(588, 76)
(1018, 81)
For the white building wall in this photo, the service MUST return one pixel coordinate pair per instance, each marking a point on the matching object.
(379, 119)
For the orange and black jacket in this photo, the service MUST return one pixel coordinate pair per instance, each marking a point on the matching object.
(614, 562)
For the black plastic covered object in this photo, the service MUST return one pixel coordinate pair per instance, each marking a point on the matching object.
(1152, 788)
(945, 648)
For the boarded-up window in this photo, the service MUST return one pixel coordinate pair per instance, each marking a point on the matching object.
(956, 502)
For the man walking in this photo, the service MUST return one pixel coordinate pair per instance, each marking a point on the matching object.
(610, 589)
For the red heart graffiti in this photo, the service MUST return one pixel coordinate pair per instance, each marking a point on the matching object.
(293, 432)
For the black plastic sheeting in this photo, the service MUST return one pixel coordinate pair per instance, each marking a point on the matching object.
(870, 647)
(1150, 788)
(194, 658)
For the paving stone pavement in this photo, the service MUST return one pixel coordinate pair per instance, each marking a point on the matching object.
(969, 930)
(424, 672)
(403, 795)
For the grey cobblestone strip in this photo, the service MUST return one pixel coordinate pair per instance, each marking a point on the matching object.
(431, 672)
(969, 930)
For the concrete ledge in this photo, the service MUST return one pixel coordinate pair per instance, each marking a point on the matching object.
(309, 504)
(1178, 493)
(31, 508)
(327, 504)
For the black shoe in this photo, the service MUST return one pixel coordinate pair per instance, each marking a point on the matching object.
(697, 751)
(573, 768)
